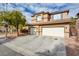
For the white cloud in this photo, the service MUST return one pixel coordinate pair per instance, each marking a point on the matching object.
(28, 16)
(29, 8)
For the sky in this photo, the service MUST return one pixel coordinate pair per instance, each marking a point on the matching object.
(28, 9)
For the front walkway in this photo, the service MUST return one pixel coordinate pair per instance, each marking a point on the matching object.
(36, 45)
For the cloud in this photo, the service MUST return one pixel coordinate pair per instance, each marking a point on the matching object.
(28, 16)
(28, 9)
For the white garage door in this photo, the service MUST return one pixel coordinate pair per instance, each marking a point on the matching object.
(53, 32)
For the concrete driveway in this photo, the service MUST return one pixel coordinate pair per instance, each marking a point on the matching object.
(32, 45)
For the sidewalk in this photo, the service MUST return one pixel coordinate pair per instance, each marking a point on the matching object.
(5, 51)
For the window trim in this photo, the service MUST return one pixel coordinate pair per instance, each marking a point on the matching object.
(37, 17)
(57, 15)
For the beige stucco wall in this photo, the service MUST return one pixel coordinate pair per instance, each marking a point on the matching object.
(66, 32)
(64, 15)
(46, 18)
(77, 27)
(33, 19)
(66, 29)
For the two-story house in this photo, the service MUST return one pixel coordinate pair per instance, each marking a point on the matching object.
(50, 24)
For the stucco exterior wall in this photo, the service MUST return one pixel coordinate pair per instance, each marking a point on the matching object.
(66, 29)
(33, 19)
(64, 15)
(77, 27)
(46, 17)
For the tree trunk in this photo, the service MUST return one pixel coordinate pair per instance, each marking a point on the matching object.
(6, 32)
(17, 30)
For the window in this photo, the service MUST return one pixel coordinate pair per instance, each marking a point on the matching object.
(57, 16)
(38, 17)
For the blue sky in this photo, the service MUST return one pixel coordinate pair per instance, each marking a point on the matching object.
(28, 9)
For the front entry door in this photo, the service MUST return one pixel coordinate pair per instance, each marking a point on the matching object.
(32, 31)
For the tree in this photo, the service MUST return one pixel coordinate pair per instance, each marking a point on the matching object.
(17, 19)
(73, 22)
(14, 18)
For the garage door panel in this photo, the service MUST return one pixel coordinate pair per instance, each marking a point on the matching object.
(53, 32)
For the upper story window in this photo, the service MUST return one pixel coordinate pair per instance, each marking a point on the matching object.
(38, 18)
(57, 16)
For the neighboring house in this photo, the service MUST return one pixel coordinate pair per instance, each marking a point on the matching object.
(50, 24)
